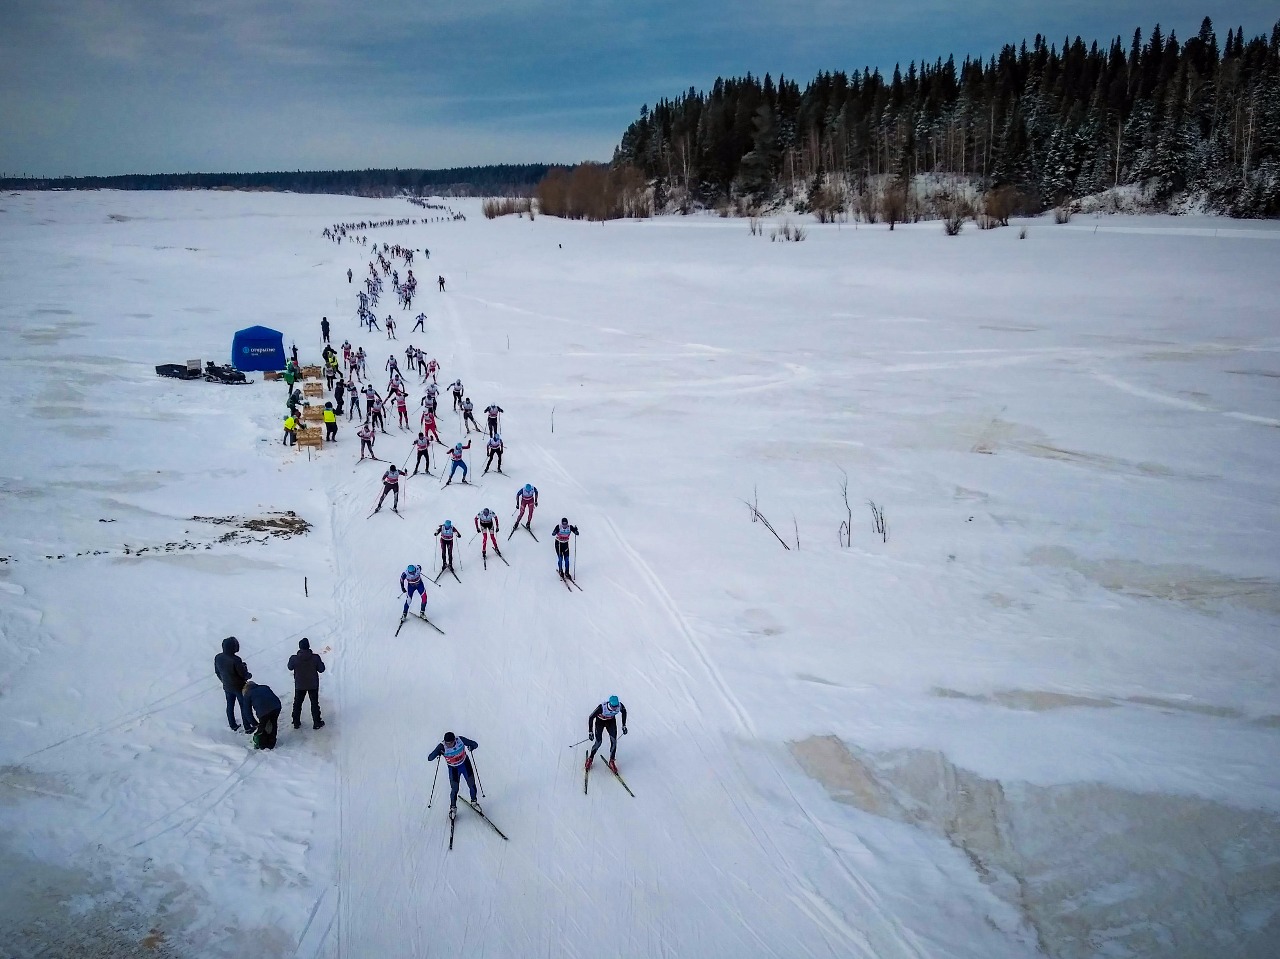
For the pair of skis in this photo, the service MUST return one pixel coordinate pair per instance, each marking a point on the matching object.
(484, 556)
(421, 616)
(378, 509)
(569, 582)
(586, 775)
(440, 575)
(523, 527)
(482, 816)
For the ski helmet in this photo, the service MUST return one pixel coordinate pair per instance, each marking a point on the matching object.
(457, 446)
(411, 569)
(449, 737)
(497, 437)
(485, 511)
(564, 521)
(613, 701)
(448, 524)
(528, 488)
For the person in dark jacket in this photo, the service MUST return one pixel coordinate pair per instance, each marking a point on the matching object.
(266, 706)
(306, 667)
(233, 674)
(456, 751)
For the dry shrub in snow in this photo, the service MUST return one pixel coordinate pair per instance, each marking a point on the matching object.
(1062, 214)
(505, 205)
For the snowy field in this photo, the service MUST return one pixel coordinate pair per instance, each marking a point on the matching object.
(1042, 718)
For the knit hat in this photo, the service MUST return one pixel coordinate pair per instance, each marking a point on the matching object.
(304, 643)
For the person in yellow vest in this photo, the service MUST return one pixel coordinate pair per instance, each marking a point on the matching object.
(330, 423)
(290, 430)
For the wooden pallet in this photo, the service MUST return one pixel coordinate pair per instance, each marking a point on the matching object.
(311, 372)
(273, 375)
(313, 414)
(312, 390)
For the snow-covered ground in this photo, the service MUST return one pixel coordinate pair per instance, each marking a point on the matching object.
(1042, 718)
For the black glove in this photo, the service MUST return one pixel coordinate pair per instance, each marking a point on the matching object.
(624, 730)
(573, 530)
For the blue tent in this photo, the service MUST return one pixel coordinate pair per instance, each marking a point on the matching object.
(258, 348)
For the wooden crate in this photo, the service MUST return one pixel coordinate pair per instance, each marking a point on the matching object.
(311, 438)
(312, 372)
(312, 390)
(313, 414)
(274, 375)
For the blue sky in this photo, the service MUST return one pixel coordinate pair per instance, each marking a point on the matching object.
(121, 86)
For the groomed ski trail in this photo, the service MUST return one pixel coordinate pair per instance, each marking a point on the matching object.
(699, 863)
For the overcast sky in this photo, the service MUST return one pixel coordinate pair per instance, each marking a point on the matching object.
(147, 86)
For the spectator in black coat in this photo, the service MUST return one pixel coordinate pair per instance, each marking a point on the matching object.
(233, 674)
(306, 667)
(266, 706)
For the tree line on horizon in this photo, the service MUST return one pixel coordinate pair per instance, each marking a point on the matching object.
(491, 180)
(1051, 124)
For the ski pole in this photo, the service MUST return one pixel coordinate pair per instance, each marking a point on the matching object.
(575, 557)
(580, 742)
(476, 769)
(433, 783)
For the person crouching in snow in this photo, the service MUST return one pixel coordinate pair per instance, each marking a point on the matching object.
(266, 708)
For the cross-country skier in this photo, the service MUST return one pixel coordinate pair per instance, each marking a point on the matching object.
(429, 426)
(421, 318)
(446, 533)
(455, 456)
(410, 583)
(494, 448)
(604, 719)
(391, 327)
(431, 396)
(487, 527)
(440, 283)
(561, 535)
(454, 750)
(526, 499)
(422, 446)
(491, 412)
(458, 389)
(353, 397)
(348, 276)
(468, 415)
(367, 434)
(402, 410)
(433, 369)
(390, 484)
(391, 366)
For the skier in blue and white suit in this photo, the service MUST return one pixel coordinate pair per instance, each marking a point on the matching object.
(454, 750)
(410, 583)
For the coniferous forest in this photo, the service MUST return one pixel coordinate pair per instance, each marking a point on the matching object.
(1195, 119)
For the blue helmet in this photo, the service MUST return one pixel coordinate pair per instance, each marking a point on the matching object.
(528, 487)
(448, 524)
(613, 701)
(457, 446)
(497, 437)
(411, 569)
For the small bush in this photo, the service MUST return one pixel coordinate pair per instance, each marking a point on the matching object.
(1022, 234)
(506, 205)
(1062, 214)
(754, 225)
